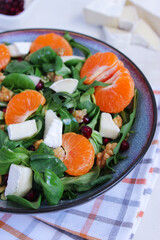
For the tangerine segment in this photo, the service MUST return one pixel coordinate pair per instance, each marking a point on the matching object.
(116, 97)
(79, 158)
(4, 56)
(54, 41)
(22, 105)
(100, 67)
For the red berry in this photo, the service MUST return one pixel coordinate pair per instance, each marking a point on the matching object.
(32, 195)
(70, 110)
(31, 148)
(40, 85)
(106, 140)
(124, 146)
(19, 59)
(11, 7)
(86, 120)
(86, 131)
(4, 110)
(5, 177)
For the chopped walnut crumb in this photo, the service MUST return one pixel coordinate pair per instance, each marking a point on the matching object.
(103, 156)
(53, 78)
(59, 153)
(118, 121)
(60, 51)
(5, 94)
(79, 115)
(1, 77)
(2, 126)
(37, 143)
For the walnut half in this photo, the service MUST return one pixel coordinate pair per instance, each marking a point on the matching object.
(118, 121)
(5, 94)
(103, 156)
(79, 115)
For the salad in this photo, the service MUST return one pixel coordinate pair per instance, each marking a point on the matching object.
(65, 119)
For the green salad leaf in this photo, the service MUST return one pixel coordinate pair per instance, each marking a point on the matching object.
(19, 67)
(24, 202)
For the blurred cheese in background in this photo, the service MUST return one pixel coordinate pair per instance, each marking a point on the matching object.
(128, 18)
(149, 10)
(101, 12)
(123, 22)
(112, 34)
(144, 35)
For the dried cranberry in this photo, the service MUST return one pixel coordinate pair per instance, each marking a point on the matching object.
(5, 177)
(124, 146)
(86, 131)
(86, 119)
(32, 195)
(4, 110)
(106, 140)
(19, 59)
(11, 7)
(31, 148)
(70, 110)
(40, 85)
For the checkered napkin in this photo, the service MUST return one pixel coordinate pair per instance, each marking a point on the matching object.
(114, 215)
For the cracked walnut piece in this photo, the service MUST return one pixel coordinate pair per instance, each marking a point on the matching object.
(103, 156)
(118, 121)
(54, 78)
(37, 143)
(2, 77)
(5, 94)
(79, 115)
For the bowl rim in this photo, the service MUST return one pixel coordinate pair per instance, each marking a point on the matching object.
(98, 192)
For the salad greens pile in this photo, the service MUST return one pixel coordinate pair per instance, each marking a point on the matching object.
(50, 182)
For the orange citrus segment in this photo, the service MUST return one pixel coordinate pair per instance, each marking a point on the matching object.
(100, 67)
(54, 41)
(22, 105)
(4, 56)
(116, 97)
(79, 158)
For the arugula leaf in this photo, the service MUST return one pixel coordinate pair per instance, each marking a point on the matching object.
(8, 157)
(19, 67)
(126, 128)
(81, 183)
(24, 202)
(83, 87)
(44, 158)
(73, 43)
(51, 184)
(18, 81)
(73, 62)
(76, 71)
(68, 195)
(60, 68)
(70, 123)
(41, 56)
(94, 120)
(96, 141)
(3, 136)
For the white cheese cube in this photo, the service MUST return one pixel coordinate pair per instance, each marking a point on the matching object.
(128, 18)
(35, 79)
(108, 128)
(19, 180)
(67, 58)
(104, 12)
(68, 85)
(23, 130)
(53, 130)
(116, 37)
(149, 11)
(144, 35)
(19, 49)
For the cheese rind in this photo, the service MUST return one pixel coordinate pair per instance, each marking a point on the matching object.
(144, 35)
(35, 79)
(23, 130)
(68, 85)
(19, 49)
(128, 18)
(116, 37)
(102, 12)
(19, 180)
(67, 58)
(53, 130)
(108, 128)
